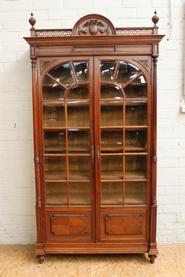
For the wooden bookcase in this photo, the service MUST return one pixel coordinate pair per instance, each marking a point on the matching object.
(94, 112)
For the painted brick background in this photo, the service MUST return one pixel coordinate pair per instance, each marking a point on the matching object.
(17, 198)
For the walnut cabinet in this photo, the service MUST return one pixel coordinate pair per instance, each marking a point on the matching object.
(94, 112)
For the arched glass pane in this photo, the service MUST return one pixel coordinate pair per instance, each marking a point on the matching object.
(126, 72)
(107, 70)
(81, 71)
(63, 74)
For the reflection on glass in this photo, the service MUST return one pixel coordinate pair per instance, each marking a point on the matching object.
(79, 168)
(54, 116)
(111, 141)
(111, 167)
(135, 193)
(78, 116)
(112, 193)
(137, 89)
(126, 72)
(78, 141)
(54, 142)
(56, 193)
(111, 116)
(63, 74)
(52, 90)
(135, 167)
(135, 140)
(111, 92)
(136, 114)
(78, 92)
(79, 193)
(81, 69)
(107, 70)
(55, 168)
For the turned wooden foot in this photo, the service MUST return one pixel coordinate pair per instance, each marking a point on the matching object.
(152, 258)
(40, 259)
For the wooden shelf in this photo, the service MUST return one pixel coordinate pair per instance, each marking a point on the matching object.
(77, 199)
(55, 175)
(58, 181)
(138, 199)
(71, 102)
(77, 128)
(135, 175)
(112, 175)
(134, 127)
(67, 154)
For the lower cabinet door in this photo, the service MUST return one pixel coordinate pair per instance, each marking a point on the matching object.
(120, 227)
(69, 227)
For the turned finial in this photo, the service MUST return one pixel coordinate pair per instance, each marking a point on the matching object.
(155, 19)
(32, 22)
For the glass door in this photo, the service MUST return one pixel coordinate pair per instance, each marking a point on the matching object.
(122, 133)
(68, 135)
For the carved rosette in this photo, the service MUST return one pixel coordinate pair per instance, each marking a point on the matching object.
(93, 25)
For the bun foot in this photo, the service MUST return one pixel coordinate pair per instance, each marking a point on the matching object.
(152, 258)
(40, 259)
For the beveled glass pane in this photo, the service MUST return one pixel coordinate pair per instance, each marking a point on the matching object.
(55, 168)
(135, 140)
(111, 141)
(52, 90)
(137, 89)
(78, 141)
(79, 168)
(111, 116)
(56, 193)
(135, 193)
(79, 193)
(63, 74)
(107, 70)
(82, 71)
(78, 92)
(136, 114)
(111, 167)
(126, 72)
(54, 116)
(111, 193)
(54, 141)
(135, 167)
(111, 92)
(78, 116)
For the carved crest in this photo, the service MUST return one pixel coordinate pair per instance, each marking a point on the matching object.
(93, 24)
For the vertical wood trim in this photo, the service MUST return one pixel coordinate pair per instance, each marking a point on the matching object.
(92, 145)
(37, 157)
(97, 120)
(153, 211)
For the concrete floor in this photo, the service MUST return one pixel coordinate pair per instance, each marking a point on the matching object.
(19, 261)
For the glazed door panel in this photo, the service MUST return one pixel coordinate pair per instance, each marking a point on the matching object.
(68, 148)
(122, 146)
(96, 149)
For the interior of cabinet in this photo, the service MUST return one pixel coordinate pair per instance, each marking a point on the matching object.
(123, 134)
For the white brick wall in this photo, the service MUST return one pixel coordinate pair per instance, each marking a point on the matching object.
(17, 200)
